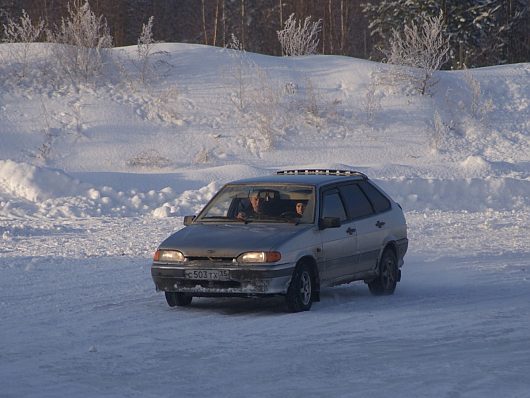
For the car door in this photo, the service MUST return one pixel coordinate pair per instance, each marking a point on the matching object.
(372, 230)
(338, 244)
(361, 213)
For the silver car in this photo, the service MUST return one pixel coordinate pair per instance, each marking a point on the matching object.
(288, 234)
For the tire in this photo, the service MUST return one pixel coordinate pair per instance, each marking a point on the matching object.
(178, 299)
(300, 293)
(386, 281)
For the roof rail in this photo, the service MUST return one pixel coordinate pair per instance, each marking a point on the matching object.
(331, 172)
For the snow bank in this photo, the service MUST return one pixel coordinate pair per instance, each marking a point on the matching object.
(471, 194)
(35, 183)
(27, 190)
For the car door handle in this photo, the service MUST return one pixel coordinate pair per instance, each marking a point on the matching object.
(379, 224)
(350, 231)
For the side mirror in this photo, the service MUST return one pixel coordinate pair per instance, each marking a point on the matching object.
(329, 222)
(188, 220)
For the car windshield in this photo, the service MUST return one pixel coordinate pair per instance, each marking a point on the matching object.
(269, 203)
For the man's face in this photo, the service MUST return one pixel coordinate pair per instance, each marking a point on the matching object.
(255, 201)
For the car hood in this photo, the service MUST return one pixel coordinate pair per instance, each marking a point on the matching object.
(230, 240)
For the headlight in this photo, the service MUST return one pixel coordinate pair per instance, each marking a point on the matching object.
(173, 256)
(259, 257)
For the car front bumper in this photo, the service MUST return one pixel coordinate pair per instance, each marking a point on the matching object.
(243, 281)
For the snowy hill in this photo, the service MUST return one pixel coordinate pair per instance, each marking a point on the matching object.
(206, 113)
(94, 175)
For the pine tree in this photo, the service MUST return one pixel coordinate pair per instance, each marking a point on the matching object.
(481, 32)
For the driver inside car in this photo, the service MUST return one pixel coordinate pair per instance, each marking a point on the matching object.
(255, 209)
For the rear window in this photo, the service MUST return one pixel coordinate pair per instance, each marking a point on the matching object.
(379, 201)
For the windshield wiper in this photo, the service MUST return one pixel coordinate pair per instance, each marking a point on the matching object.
(219, 218)
(267, 219)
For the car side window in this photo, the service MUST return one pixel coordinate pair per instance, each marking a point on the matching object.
(357, 203)
(380, 202)
(332, 205)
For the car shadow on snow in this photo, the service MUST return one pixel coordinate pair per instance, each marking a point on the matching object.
(236, 305)
(330, 297)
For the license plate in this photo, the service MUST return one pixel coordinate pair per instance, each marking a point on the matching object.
(208, 274)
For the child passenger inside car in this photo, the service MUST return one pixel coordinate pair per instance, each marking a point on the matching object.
(300, 207)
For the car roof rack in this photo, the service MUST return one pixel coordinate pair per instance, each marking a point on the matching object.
(330, 172)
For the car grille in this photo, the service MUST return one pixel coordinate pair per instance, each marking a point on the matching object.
(211, 261)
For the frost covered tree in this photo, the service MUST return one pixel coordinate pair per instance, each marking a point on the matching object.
(299, 39)
(82, 38)
(145, 48)
(240, 71)
(23, 32)
(422, 49)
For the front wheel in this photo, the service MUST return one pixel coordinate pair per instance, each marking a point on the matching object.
(178, 299)
(386, 281)
(299, 295)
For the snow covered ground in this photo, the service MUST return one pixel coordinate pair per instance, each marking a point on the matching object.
(93, 176)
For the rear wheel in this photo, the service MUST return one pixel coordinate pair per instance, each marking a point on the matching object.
(386, 281)
(299, 295)
(178, 299)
